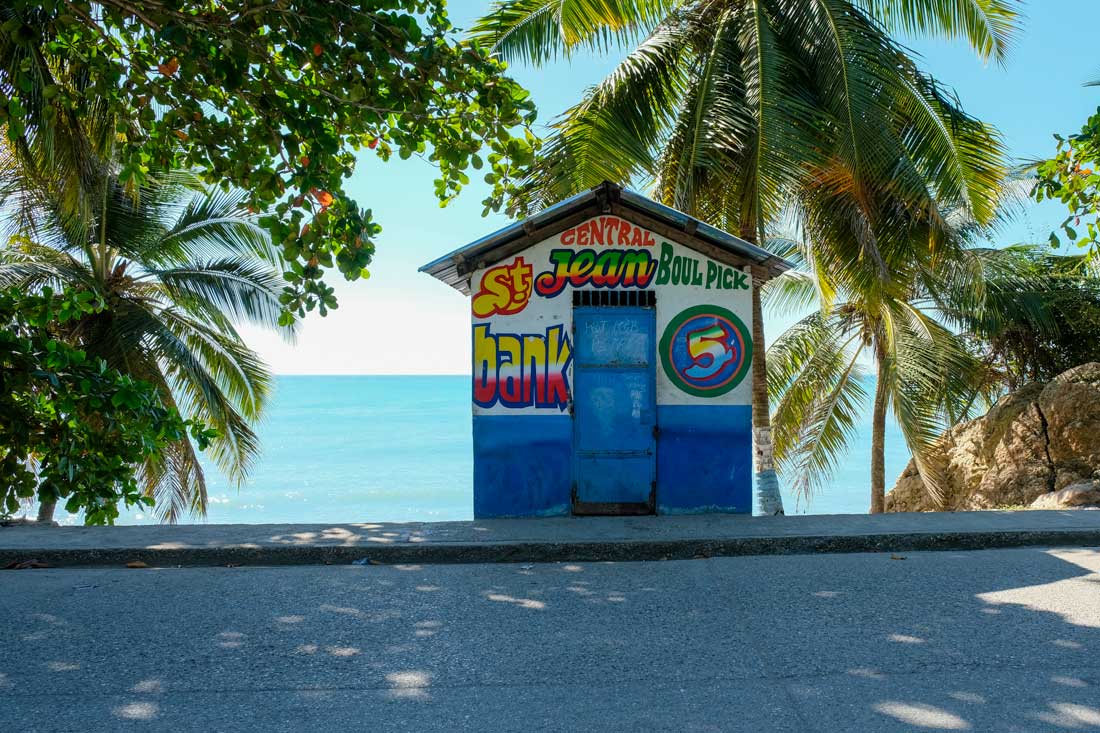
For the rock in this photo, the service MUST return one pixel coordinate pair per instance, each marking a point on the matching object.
(1071, 404)
(1035, 441)
(1085, 494)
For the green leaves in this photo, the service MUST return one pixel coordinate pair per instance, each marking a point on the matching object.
(1072, 176)
(615, 130)
(73, 429)
(817, 384)
(747, 113)
(988, 25)
(540, 30)
(156, 287)
(1035, 316)
(178, 86)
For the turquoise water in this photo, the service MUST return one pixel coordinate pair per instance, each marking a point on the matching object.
(397, 448)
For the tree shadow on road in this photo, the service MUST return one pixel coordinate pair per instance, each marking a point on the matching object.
(1004, 640)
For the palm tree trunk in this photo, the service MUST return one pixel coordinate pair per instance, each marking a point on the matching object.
(45, 511)
(768, 499)
(878, 435)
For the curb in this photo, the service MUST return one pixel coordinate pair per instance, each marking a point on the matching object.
(533, 552)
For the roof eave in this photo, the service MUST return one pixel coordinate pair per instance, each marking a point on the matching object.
(452, 270)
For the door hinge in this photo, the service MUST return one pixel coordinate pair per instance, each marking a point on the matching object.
(656, 432)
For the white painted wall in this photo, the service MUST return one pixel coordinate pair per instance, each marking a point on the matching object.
(540, 312)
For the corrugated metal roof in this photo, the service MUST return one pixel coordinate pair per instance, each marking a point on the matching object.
(454, 268)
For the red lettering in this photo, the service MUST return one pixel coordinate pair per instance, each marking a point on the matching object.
(607, 230)
(596, 232)
(624, 233)
(558, 353)
(611, 228)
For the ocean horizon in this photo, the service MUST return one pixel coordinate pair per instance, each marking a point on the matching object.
(397, 448)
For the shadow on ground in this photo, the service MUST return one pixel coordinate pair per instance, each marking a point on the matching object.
(1005, 640)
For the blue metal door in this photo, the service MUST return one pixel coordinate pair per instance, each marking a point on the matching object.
(614, 410)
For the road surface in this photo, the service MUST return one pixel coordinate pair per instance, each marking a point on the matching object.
(998, 640)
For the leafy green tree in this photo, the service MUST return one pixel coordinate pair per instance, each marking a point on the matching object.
(1042, 315)
(274, 97)
(1072, 176)
(747, 112)
(175, 268)
(73, 428)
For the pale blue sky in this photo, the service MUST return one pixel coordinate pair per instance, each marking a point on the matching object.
(404, 322)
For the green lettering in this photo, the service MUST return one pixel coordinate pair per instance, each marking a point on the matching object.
(637, 269)
(606, 271)
(712, 273)
(664, 270)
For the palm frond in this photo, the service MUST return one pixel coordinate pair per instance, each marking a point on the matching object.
(960, 158)
(172, 314)
(931, 380)
(176, 481)
(213, 378)
(242, 288)
(816, 380)
(990, 26)
(31, 266)
(212, 224)
(540, 30)
(613, 132)
(784, 141)
(795, 291)
(173, 478)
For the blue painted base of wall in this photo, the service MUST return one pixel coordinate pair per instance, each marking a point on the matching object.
(704, 459)
(522, 465)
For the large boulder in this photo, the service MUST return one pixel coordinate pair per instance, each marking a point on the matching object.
(1082, 495)
(1071, 405)
(1034, 441)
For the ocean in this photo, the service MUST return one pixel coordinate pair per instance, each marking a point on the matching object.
(397, 448)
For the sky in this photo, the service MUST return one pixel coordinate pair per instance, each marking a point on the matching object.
(401, 321)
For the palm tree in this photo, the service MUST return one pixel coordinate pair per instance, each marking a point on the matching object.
(816, 375)
(938, 347)
(177, 265)
(743, 111)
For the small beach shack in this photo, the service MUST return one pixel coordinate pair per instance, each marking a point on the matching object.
(612, 346)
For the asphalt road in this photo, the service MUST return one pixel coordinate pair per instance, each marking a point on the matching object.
(999, 640)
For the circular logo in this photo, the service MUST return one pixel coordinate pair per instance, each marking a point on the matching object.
(706, 351)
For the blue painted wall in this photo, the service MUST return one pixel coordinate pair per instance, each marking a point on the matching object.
(522, 465)
(704, 459)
